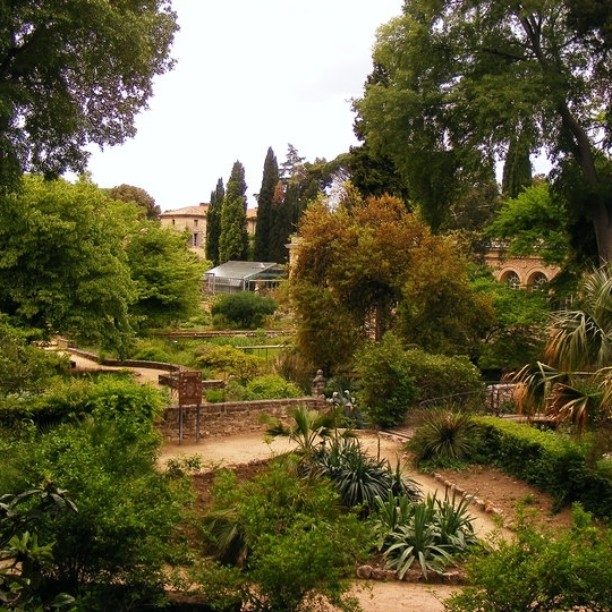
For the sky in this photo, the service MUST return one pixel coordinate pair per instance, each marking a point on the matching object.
(248, 75)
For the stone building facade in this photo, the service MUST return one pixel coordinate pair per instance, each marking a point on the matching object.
(191, 219)
(521, 272)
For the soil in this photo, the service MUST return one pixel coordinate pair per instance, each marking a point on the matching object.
(508, 494)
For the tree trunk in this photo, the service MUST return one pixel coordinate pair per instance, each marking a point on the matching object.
(602, 221)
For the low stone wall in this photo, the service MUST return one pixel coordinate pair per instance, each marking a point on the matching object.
(237, 333)
(231, 418)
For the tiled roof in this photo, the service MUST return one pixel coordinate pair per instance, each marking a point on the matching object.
(187, 210)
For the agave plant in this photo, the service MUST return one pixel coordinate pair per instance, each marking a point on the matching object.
(575, 384)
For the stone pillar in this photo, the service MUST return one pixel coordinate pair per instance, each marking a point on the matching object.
(318, 385)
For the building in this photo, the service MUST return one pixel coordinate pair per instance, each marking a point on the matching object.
(235, 276)
(191, 219)
(524, 272)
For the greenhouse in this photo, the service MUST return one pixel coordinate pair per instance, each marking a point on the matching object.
(235, 276)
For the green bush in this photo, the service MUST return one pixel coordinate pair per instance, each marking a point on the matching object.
(289, 535)
(226, 361)
(119, 544)
(439, 378)
(542, 571)
(386, 383)
(553, 462)
(67, 400)
(270, 386)
(152, 350)
(443, 439)
(245, 310)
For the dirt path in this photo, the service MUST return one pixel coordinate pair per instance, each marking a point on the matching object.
(144, 375)
(401, 596)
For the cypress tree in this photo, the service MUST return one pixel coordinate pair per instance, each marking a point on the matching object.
(234, 240)
(282, 224)
(517, 168)
(213, 222)
(264, 208)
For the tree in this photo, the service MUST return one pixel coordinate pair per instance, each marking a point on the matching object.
(365, 267)
(63, 266)
(234, 240)
(74, 73)
(282, 224)
(166, 274)
(263, 229)
(213, 222)
(129, 193)
(517, 168)
(461, 79)
(533, 223)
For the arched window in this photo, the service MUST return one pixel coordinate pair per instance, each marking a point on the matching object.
(537, 281)
(511, 278)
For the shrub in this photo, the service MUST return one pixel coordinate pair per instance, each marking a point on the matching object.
(245, 310)
(270, 386)
(359, 478)
(226, 361)
(444, 439)
(121, 539)
(152, 350)
(428, 533)
(112, 396)
(551, 461)
(442, 378)
(386, 384)
(289, 535)
(535, 570)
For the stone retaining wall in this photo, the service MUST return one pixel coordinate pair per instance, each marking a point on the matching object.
(230, 418)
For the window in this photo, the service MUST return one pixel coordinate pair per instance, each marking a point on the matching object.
(173, 221)
(195, 223)
(196, 241)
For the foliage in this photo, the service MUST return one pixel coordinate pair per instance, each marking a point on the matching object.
(226, 361)
(533, 223)
(124, 531)
(426, 533)
(213, 222)
(244, 310)
(541, 570)
(551, 461)
(166, 274)
(386, 383)
(270, 386)
(234, 240)
(23, 560)
(359, 478)
(355, 277)
(439, 378)
(516, 334)
(73, 75)
(456, 82)
(392, 379)
(290, 536)
(578, 340)
(62, 262)
(68, 400)
(25, 368)
(263, 228)
(444, 438)
(136, 195)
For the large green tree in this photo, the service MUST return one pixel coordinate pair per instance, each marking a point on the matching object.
(136, 195)
(461, 78)
(213, 222)
(234, 239)
(263, 229)
(72, 73)
(63, 266)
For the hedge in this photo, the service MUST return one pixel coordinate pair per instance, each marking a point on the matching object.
(75, 399)
(553, 462)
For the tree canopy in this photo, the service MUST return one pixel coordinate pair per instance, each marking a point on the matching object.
(234, 240)
(73, 73)
(136, 195)
(213, 222)
(263, 229)
(456, 81)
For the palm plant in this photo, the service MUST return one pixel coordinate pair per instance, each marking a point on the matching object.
(575, 384)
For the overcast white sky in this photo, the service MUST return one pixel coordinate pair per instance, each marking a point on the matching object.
(249, 75)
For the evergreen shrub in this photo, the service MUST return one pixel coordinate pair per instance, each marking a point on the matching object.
(553, 462)
(244, 310)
